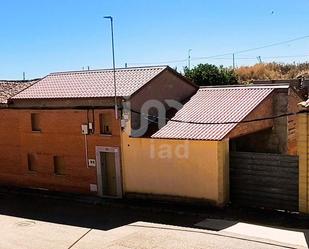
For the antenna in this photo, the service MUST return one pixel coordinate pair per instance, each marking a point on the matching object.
(259, 58)
(24, 76)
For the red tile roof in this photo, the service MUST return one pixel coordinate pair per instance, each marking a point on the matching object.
(9, 88)
(90, 84)
(214, 105)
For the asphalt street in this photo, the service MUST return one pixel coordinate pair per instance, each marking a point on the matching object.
(44, 221)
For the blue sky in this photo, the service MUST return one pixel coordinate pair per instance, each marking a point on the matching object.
(40, 37)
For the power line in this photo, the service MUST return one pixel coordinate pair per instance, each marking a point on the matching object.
(159, 62)
(285, 56)
(219, 56)
(256, 48)
(273, 44)
(254, 58)
(236, 122)
(153, 119)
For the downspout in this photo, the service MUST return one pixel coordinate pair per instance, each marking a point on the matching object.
(86, 141)
(86, 151)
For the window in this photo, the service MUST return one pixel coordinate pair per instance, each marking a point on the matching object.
(59, 166)
(105, 124)
(35, 122)
(32, 162)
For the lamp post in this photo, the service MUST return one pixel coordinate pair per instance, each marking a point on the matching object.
(114, 64)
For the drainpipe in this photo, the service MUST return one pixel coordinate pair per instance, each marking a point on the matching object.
(86, 151)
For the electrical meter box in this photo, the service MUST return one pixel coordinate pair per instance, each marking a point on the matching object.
(85, 130)
(90, 125)
(92, 162)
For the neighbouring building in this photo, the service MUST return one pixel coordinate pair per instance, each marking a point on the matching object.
(300, 84)
(9, 130)
(9, 88)
(61, 134)
(303, 152)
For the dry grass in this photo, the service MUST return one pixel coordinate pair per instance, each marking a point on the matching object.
(271, 71)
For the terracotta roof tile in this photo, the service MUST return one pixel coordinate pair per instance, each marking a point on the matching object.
(91, 84)
(214, 105)
(9, 88)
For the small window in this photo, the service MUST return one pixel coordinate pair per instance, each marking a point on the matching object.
(105, 124)
(32, 162)
(59, 166)
(35, 122)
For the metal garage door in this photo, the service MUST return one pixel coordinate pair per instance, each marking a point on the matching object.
(264, 180)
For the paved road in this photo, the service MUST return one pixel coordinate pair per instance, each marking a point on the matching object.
(149, 235)
(34, 222)
(111, 214)
(18, 233)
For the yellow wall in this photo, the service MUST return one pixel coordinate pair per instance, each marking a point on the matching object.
(178, 168)
(302, 148)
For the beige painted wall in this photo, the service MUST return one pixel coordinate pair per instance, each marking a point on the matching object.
(303, 152)
(176, 168)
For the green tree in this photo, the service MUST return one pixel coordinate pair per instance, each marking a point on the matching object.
(210, 75)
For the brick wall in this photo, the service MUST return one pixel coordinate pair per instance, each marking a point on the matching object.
(166, 86)
(60, 136)
(281, 137)
(294, 99)
(262, 110)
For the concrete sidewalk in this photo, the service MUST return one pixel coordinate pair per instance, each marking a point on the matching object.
(19, 233)
(278, 234)
(59, 223)
(22, 233)
(148, 235)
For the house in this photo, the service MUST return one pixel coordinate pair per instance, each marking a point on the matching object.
(188, 158)
(9, 128)
(9, 88)
(299, 84)
(61, 134)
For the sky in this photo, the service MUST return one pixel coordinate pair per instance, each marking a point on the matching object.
(39, 37)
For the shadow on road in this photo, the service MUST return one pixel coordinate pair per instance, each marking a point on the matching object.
(110, 214)
(105, 216)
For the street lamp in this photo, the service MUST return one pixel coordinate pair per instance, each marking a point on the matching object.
(114, 64)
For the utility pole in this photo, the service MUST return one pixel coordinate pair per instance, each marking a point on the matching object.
(189, 58)
(233, 61)
(114, 64)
